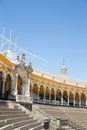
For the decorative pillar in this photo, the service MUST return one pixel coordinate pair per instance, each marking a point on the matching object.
(14, 90)
(16, 83)
(68, 98)
(49, 95)
(79, 100)
(38, 93)
(29, 70)
(61, 98)
(3, 88)
(28, 87)
(55, 96)
(74, 99)
(44, 93)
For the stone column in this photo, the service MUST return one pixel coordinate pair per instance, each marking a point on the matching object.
(38, 93)
(44, 94)
(14, 90)
(16, 83)
(3, 88)
(55, 96)
(68, 98)
(74, 100)
(79, 100)
(28, 87)
(61, 98)
(49, 95)
(29, 70)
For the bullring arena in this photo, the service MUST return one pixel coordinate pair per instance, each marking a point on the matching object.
(31, 99)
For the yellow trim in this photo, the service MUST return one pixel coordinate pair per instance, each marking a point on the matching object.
(6, 61)
(63, 85)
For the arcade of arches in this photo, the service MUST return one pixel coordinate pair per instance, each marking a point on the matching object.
(60, 93)
(6, 83)
(45, 89)
(41, 88)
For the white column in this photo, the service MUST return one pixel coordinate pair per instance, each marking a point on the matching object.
(16, 80)
(61, 98)
(68, 98)
(14, 91)
(49, 94)
(38, 93)
(74, 100)
(44, 94)
(79, 100)
(55, 96)
(3, 88)
(28, 87)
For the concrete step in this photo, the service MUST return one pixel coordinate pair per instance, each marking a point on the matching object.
(28, 126)
(14, 120)
(8, 109)
(2, 117)
(22, 123)
(67, 127)
(11, 112)
(40, 127)
(7, 127)
(17, 119)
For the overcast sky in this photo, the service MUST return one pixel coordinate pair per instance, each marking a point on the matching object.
(52, 29)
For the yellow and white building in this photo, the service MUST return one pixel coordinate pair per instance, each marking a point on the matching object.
(22, 82)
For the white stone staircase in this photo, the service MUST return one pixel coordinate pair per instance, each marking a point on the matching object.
(71, 118)
(13, 118)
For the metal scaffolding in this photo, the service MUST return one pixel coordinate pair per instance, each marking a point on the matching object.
(7, 46)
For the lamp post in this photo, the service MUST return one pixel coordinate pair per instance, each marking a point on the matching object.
(29, 70)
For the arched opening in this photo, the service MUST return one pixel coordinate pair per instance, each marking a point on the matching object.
(7, 86)
(41, 94)
(47, 93)
(1, 84)
(65, 97)
(19, 85)
(71, 99)
(58, 96)
(83, 99)
(35, 91)
(77, 99)
(52, 93)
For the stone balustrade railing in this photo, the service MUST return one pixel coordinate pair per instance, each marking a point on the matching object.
(60, 78)
(53, 123)
(23, 98)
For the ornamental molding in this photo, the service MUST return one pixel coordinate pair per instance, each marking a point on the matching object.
(21, 72)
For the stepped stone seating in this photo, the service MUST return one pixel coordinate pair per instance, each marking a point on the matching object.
(71, 116)
(13, 118)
